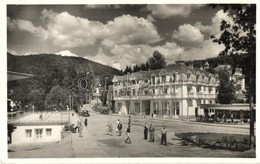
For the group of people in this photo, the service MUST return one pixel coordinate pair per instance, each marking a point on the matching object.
(147, 130)
(79, 128)
(119, 127)
(151, 131)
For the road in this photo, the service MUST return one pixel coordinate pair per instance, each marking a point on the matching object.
(95, 142)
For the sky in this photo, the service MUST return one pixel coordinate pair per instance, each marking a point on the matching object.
(115, 35)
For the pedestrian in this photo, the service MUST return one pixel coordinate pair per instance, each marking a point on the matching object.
(232, 117)
(145, 131)
(111, 128)
(80, 129)
(128, 140)
(120, 126)
(108, 126)
(129, 121)
(117, 123)
(151, 132)
(164, 136)
(86, 122)
(77, 127)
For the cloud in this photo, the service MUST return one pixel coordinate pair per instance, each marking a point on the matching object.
(128, 29)
(66, 53)
(169, 10)
(11, 51)
(207, 49)
(129, 55)
(25, 25)
(104, 59)
(68, 31)
(189, 35)
(214, 28)
(125, 55)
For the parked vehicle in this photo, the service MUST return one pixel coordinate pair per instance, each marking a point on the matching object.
(104, 111)
(85, 113)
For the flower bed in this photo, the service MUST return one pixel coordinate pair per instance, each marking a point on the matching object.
(237, 142)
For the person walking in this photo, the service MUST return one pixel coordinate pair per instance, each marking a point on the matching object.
(164, 136)
(120, 126)
(80, 129)
(86, 122)
(145, 131)
(77, 127)
(108, 127)
(117, 123)
(151, 132)
(128, 140)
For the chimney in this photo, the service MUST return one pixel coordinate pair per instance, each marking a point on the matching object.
(201, 68)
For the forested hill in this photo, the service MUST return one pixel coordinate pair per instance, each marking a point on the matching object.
(54, 79)
(41, 63)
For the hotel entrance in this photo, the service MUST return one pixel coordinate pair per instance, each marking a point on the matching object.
(146, 107)
(175, 109)
(128, 107)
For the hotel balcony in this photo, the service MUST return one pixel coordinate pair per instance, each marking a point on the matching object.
(191, 95)
(200, 95)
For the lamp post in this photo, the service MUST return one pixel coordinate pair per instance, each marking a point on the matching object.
(105, 89)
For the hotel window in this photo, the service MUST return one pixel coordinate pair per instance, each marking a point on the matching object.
(188, 76)
(197, 78)
(163, 79)
(28, 133)
(38, 133)
(165, 90)
(155, 107)
(48, 132)
(198, 89)
(189, 89)
(176, 108)
(137, 107)
(164, 107)
(133, 92)
(210, 90)
(128, 92)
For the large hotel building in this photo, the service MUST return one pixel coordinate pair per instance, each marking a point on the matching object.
(177, 91)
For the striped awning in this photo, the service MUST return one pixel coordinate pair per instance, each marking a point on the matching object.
(233, 107)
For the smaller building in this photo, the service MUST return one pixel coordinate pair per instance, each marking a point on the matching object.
(38, 128)
(237, 79)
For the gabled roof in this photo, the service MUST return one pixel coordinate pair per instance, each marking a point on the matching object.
(168, 70)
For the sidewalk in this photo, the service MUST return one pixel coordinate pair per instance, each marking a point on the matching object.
(243, 126)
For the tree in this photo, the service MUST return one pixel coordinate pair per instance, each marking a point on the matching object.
(240, 36)
(57, 98)
(128, 69)
(226, 88)
(157, 61)
(37, 98)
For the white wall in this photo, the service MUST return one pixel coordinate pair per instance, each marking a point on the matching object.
(19, 135)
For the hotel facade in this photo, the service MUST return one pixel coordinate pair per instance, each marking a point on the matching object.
(177, 91)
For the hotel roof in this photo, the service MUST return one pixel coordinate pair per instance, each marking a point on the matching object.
(170, 69)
